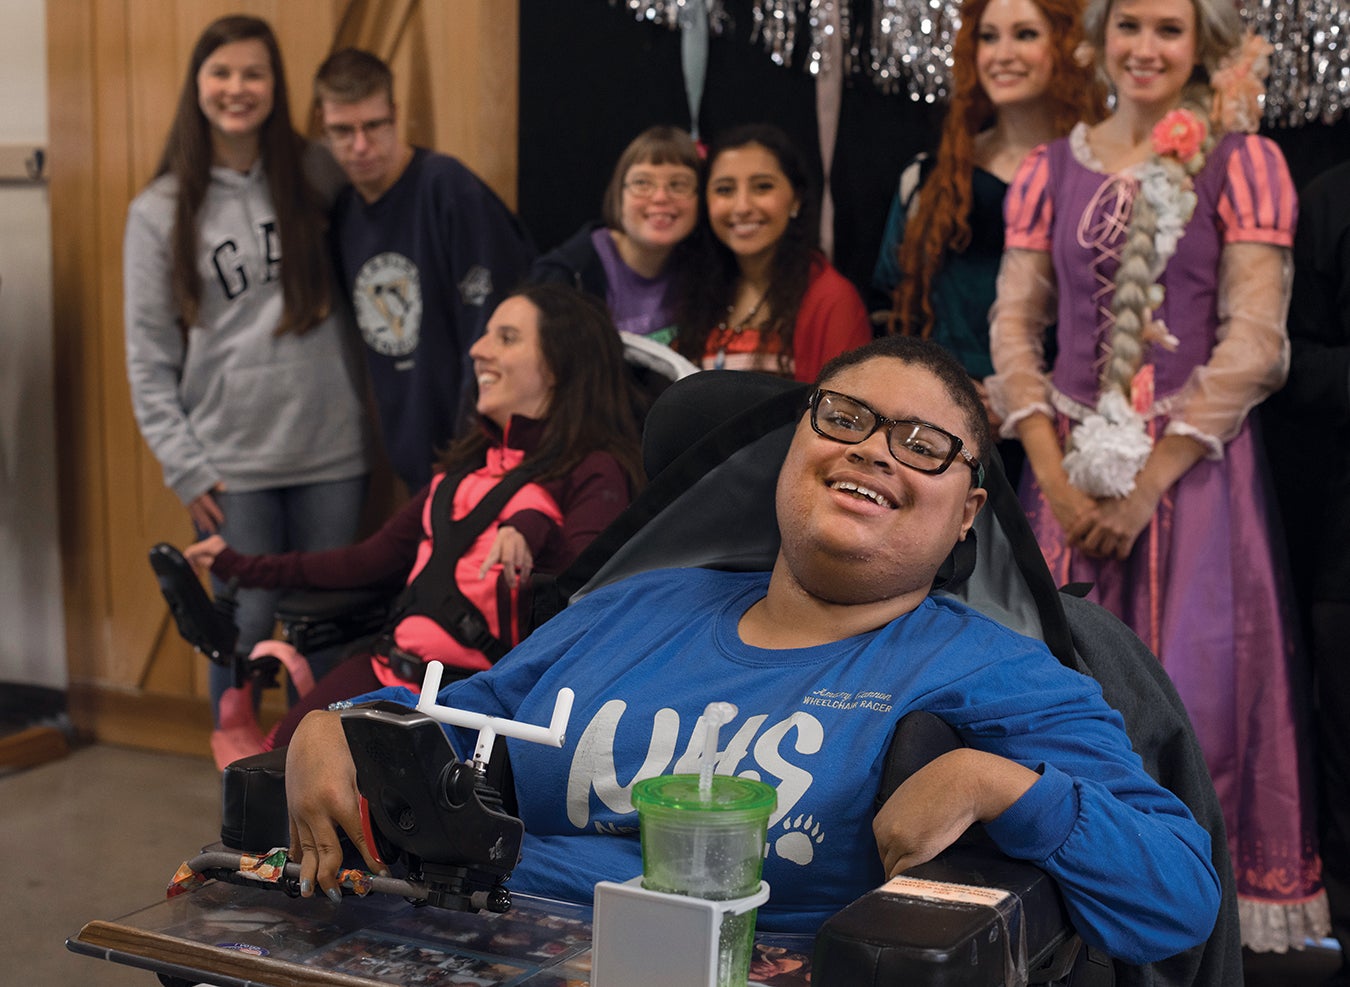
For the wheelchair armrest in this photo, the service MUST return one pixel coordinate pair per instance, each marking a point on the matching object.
(316, 619)
(253, 816)
(949, 921)
(888, 938)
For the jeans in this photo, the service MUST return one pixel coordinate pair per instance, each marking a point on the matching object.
(306, 518)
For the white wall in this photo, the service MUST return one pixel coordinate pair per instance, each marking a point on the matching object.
(32, 628)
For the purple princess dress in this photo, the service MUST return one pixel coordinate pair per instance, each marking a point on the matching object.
(1202, 587)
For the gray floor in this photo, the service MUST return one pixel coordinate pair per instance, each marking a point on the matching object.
(99, 833)
(90, 836)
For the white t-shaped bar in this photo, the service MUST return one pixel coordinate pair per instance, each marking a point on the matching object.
(490, 727)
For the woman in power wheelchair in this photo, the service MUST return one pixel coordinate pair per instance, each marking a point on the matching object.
(664, 641)
(551, 459)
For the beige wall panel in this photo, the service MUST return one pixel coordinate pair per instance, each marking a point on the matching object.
(473, 85)
(132, 62)
(75, 259)
(306, 34)
(156, 63)
(170, 668)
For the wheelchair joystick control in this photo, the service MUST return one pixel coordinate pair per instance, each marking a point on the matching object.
(436, 813)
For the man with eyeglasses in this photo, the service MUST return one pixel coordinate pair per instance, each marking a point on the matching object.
(426, 250)
(823, 655)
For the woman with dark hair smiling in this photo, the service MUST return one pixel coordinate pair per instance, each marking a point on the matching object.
(759, 294)
(554, 420)
(241, 377)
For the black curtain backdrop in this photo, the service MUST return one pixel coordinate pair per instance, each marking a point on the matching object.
(592, 77)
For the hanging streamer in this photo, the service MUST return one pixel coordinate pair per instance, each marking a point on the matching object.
(826, 17)
(1310, 66)
(693, 21)
(911, 47)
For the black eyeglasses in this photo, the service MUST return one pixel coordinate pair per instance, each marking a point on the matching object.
(345, 133)
(918, 445)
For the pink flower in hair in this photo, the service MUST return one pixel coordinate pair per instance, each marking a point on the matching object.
(1180, 134)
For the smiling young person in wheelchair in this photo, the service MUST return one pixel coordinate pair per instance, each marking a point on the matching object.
(823, 655)
(549, 461)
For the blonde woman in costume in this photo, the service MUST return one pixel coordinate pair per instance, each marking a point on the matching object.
(1159, 240)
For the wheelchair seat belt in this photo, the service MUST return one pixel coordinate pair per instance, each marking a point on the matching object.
(434, 593)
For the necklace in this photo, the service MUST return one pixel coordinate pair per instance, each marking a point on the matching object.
(738, 328)
(726, 332)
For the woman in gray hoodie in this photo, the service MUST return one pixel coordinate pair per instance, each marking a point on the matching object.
(242, 380)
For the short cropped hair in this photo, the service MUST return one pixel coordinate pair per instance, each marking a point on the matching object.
(941, 364)
(351, 75)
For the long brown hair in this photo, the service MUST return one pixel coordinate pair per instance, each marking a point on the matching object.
(709, 280)
(593, 406)
(941, 222)
(305, 281)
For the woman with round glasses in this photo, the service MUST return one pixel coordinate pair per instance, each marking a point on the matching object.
(630, 258)
(759, 294)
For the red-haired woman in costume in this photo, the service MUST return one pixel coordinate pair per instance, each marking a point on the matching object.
(1016, 84)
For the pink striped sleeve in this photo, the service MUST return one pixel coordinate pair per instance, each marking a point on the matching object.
(1258, 203)
(1028, 209)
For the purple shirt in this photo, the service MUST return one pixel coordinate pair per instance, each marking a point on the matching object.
(639, 305)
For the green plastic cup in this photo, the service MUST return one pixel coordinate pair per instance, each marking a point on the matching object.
(711, 849)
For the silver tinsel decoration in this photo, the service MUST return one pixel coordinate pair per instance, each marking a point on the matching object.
(912, 47)
(909, 45)
(821, 22)
(776, 23)
(1310, 67)
(668, 13)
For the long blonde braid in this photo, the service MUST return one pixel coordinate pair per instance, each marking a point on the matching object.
(1142, 262)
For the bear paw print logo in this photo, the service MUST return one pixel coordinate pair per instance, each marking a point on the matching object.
(799, 839)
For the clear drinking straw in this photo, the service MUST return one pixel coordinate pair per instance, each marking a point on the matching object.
(714, 715)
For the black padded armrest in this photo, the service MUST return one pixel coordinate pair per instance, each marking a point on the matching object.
(886, 939)
(253, 816)
(949, 922)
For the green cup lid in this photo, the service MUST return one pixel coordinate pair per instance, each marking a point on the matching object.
(729, 794)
